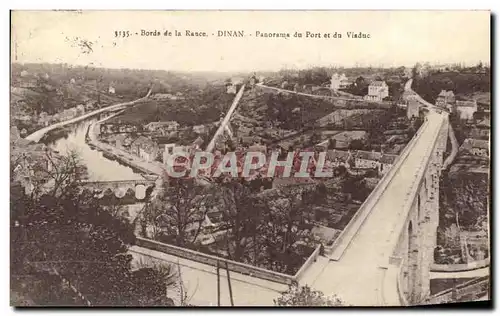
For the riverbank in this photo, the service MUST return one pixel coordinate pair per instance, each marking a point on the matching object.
(111, 152)
(36, 136)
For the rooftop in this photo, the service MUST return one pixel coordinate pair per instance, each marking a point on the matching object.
(337, 154)
(161, 124)
(368, 155)
(349, 135)
(142, 140)
(470, 143)
(445, 93)
(466, 103)
(378, 83)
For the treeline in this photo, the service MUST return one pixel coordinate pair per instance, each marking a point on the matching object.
(67, 250)
(463, 83)
(127, 82)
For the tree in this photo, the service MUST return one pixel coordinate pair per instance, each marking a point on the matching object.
(356, 144)
(284, 215)
(242, 218)
(332, 143)
(179, 210)
(315, 138)
(73, 238)
(415, 71)
(305, 296)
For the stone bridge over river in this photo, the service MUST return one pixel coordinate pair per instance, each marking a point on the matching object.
(138, 190)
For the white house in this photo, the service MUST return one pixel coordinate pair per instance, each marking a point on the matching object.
(374, 160)
(444, 98)
(111, 90)
(200, 129)
(44, 119)
(466, 109)
(413, 109)
(377, 91)
(338, 81)
(80, 108)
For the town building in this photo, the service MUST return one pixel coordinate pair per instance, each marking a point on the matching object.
(404, 99)
(118, 127)
(284, 84)
(413, 109)
(367, 159)
(481, 130)
(444, 98)
(377, 91)
(171, 149)
(200, 129)
(343, 140)
(466, 109)
(122, 141)
(80, 109)
(340, 158)
(475, 147)
(234, 85)
(374, 160)
(164, 96)
(111, 90)
(162, 128)
(32, 163)
(145, 148)
(197, 143)
(338, 82)
(68, 114)
(44, 119)
(253, 80)
(296, 87)
(387, 161)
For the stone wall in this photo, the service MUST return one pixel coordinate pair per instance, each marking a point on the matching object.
(460, 267)
(234, 266)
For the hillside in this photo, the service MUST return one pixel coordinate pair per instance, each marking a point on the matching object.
(202, 107)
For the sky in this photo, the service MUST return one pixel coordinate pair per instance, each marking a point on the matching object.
(397, 38)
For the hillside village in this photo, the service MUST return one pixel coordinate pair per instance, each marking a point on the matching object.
(361, 118)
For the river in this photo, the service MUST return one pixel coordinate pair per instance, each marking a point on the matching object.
(99, 167)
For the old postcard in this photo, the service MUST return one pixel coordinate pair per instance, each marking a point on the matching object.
(250, 158)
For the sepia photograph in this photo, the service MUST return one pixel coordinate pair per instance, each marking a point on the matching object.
(250, 158)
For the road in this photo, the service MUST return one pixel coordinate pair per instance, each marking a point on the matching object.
(226, 119)
(36, 136)
(315, 96)
(200, 282)
(461, 274)
(454, 148)
(358, 276)
(418, 97)
(451, 134)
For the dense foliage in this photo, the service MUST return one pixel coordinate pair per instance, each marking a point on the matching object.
(305, 296)
(269, 230)
(66, 243)
(463, 83)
